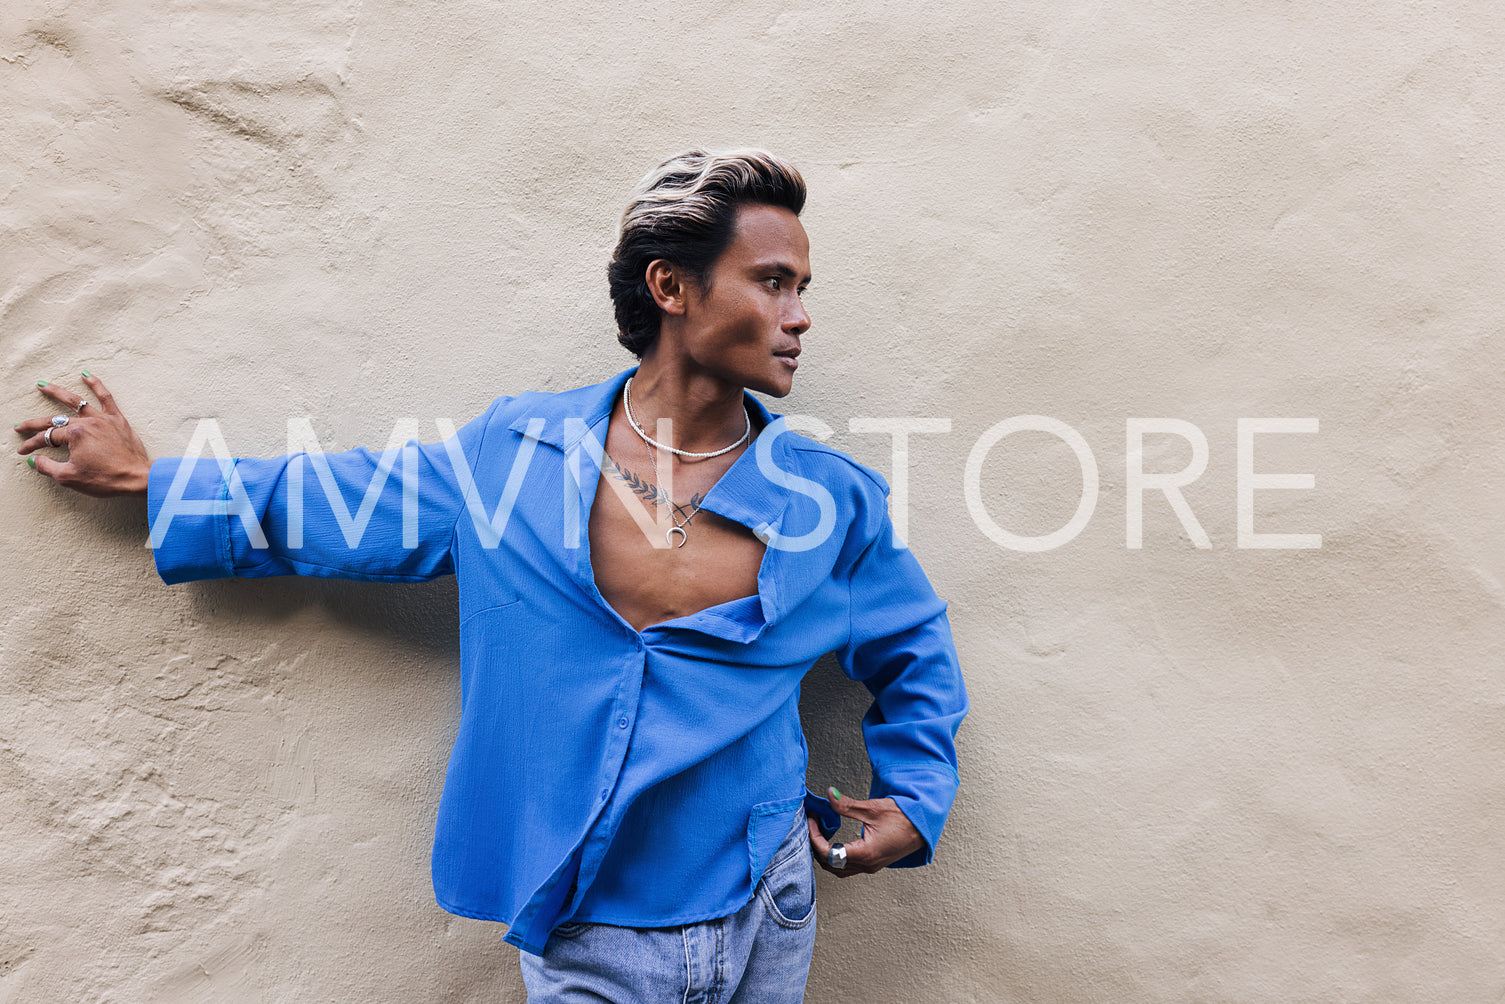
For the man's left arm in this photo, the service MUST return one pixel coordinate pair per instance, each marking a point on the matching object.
(900, 647)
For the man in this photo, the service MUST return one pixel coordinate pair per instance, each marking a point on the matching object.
(626, 791)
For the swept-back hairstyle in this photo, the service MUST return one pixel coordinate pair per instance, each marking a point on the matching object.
(684, 212)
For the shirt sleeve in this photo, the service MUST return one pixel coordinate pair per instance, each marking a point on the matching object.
(900, 648)
(384, 516)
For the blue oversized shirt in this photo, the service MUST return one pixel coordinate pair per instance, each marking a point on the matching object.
(601, 773)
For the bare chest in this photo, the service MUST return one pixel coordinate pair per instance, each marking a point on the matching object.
(647, 584)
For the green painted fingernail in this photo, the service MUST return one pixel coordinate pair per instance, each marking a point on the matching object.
(32, 461)
(41, 383)
(87, 373)
(836, 793)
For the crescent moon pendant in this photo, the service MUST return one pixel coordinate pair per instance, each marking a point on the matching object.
(683, 536)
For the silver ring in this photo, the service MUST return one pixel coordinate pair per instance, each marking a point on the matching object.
(837, 857)
(58, 421)
(81, 406)
(47, 435)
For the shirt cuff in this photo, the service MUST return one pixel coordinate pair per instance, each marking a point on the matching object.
(924, 793)
(190, 523)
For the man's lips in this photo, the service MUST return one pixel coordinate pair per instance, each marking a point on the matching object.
(788, 355)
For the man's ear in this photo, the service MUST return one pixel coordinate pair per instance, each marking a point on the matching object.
(667, 286)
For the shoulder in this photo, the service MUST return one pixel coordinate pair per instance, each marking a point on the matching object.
(837, 467)
(859, 492)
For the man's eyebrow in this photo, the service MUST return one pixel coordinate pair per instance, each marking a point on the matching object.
(782, 269)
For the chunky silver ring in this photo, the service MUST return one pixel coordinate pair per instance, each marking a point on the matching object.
(837, 857)
(58, 421)
(47, 435)
(81, 406)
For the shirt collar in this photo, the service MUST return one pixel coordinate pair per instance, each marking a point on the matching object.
(592, 404)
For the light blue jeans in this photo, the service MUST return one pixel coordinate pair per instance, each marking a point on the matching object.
(758, 955)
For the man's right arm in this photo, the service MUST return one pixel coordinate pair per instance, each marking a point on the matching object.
(359, 514)
(356, 514)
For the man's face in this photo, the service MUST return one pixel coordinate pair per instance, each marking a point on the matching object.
(746, 329)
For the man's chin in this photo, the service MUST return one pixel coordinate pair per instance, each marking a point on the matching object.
(771, 389)
(775, 385)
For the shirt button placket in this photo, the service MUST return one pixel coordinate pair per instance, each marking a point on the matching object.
(622, 720)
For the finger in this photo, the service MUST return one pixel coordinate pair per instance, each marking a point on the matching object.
(846, 808)
(820, 848)
(44, 464)
(28, 426)
(819, 845)
(31, 426)
(106, 399)
(62, 395)
(39, 441)
(864, 810)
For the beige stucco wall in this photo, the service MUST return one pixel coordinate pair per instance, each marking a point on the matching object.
(1224, 774)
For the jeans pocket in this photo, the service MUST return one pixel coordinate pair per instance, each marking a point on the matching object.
(787, 888)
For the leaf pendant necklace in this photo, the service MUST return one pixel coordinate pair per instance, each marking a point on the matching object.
(680, 526)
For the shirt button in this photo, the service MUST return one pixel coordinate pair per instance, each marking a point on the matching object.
(621, 723)
(604, 793)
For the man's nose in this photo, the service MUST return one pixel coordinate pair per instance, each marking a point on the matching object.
(797, 321)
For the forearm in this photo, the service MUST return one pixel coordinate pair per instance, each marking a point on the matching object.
(919, 701)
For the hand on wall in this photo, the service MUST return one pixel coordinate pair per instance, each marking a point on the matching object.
(105, 456)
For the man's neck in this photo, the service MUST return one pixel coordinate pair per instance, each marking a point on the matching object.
(707, 412)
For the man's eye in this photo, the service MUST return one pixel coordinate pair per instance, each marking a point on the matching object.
(774, 280)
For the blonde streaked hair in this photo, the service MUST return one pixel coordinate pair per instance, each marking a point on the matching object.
(684, 212)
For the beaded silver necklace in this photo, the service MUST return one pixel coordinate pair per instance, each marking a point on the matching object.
(627, 407)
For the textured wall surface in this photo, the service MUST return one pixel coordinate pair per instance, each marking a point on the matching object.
(1223, 774)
